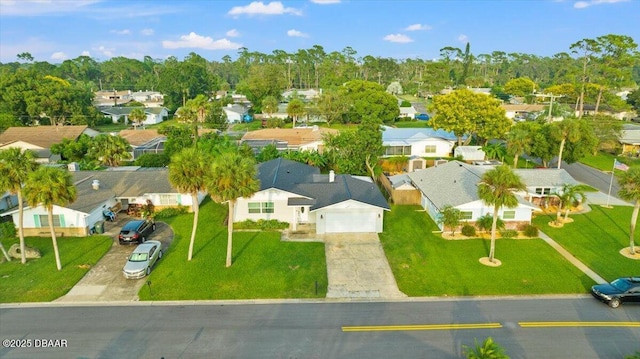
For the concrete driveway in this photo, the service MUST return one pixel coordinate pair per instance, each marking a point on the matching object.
(105, 282)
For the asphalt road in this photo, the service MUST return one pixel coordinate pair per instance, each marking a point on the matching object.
(593, 177)
(558, 327)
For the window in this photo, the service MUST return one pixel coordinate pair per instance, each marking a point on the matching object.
(545, 191)
(261, 207)
(466, 215)
(430, 149)
(168, 199)
(397, 150)
(44, 220)
(508, 214)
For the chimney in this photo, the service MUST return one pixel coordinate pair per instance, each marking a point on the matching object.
(332, 176)
(95, 184)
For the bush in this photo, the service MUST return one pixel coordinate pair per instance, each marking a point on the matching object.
(152, 160)
(7, 230)
(261, 224)
(530, 230)
(509, 233)
(171, 211)
(468, 230)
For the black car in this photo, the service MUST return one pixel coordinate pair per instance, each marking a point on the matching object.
(619, 291)
(136, 231)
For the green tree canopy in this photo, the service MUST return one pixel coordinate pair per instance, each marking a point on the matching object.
(521, 86)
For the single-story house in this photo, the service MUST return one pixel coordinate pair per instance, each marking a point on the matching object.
(111, 98)
(297, 139)
(144, 141)
(236, 113)
(39, 139)
(154, 114)
(630, 138)
(422, 142)
(456, 183)
(98, 191)
(148, 98)
(296, 193)
(469, 153)
(521, 111)
(408, 112)
(304, 95)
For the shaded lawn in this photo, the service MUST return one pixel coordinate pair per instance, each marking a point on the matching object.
(604, 161)
(38, 280)
(263, 266)
(596, 238)
(425, 264)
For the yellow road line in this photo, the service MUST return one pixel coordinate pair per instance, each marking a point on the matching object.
(578, 324)
(382, 328)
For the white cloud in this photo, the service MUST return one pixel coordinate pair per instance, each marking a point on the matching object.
(108, 52)
(417, 27)
(400, 38)
(42, 7)
(60, 56)
(147, 32)
(259, 8)
(85, 53)
(233, 33)
(296, 33)
(585, 4)
(463, 38)
(325, 2)
(121, 32)
(194, 40)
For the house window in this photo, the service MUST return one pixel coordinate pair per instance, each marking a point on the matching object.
(44, 220)
(509, 215)
(168, 199)
(430, 149)
(261, 207)
(397, 150)
(466, 215)
(544, 191)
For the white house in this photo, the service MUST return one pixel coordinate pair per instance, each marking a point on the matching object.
(298, 194)
(235, 113)
(422, 142)
(101, 190)
(408, 112)
(154, 114)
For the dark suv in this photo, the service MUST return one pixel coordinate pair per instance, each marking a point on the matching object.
(620, 290)
(136, 231)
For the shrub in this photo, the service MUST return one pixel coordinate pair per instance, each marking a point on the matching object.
(261, 224)
(7, 230)
(485, 222)
(468, 230)
(152, 160)
(509, 233)
(171, 211)
(530, 230)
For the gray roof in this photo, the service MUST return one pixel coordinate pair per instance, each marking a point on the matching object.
(126, 111)
(117, 184)
(630, 134)
(545, 177)
(307, 181)
(408, 135)
(399, 180)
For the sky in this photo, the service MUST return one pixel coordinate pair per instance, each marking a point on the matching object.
(57, 30)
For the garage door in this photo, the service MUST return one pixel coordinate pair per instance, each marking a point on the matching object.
(341, 222)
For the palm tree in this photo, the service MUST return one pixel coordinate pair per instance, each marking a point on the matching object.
(232, 176)
(495, 151)
(295, 109)
(496, 188)
(15, 166)
(49, 186)
(568, 195)
(518, 142)
(138, 116)
(109, 150)
(487, 350)
(630, 191)
(187, 173)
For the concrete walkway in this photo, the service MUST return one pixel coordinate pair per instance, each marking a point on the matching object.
(573, 260)
(357, 267)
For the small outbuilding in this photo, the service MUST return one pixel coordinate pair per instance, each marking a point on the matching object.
(469, 153)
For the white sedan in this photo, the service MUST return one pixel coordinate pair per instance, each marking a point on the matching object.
(142, 260)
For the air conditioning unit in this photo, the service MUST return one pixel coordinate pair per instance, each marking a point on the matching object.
(73, 167)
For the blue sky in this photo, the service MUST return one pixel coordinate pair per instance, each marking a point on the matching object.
(55, 30)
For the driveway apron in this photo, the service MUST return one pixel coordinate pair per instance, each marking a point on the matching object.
(357, 267)
(105, 282)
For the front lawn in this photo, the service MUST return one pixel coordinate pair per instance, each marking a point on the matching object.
(425, 264)
(263, 266)
(38, 280)
(596, 238)
(604, 161)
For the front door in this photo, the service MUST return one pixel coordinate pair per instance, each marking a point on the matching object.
(303, 214)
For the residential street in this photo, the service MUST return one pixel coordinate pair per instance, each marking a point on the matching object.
(540, 327)
(593, 177)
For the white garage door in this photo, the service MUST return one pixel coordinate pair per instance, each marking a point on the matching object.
(341, 222)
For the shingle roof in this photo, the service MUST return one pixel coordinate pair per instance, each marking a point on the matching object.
(41, 136)
(139, 137)
(307, 181)
(293, 136)
(408, 135)
(117, 184)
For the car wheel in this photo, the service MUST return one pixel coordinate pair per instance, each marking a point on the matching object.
(148, 270)
(159, 254)
(614, 302)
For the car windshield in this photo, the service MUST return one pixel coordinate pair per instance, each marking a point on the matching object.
(621, 285)
(138, 257)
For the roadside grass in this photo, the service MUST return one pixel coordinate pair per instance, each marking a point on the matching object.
(263, 266)
(596, 238)
(38, 280)
(425, 264)
(604, 161)
(412, 124)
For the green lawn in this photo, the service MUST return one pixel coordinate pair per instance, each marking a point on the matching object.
(425, 264)
(263, 266)
(38, 280)
(604, 161)
(412, 124)
(596, 238)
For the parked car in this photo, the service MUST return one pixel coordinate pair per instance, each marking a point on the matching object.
(142, 260)
(422, 117)
(136, 231)
(619, 291)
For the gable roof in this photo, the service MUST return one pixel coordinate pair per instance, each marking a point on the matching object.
(140, 137)
(126, 111)
(408, 135)
(305, 180)
(41, 136)
(117, 184)
(630, 134)
(522, 107)
(293, 136)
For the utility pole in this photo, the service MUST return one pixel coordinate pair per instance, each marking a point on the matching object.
(552, 96)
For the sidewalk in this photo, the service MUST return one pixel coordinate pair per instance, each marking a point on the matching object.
(573, 260)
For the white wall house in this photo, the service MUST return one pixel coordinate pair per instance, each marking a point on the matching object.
(422, 142)
(154, 114)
